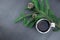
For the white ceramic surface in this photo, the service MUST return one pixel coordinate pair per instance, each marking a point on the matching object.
(51, 25)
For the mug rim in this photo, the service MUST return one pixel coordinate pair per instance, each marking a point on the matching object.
(41, 31)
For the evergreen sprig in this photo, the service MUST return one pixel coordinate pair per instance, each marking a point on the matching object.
(40, 10)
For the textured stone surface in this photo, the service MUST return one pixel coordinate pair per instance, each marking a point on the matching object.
(10, 9)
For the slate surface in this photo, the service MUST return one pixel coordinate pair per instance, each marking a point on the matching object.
(10, 9)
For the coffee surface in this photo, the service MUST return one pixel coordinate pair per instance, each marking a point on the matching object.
(43, 25)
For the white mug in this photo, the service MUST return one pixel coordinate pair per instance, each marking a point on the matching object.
(51, 25)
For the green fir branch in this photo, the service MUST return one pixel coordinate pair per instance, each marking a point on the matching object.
(21, 18)
(42, 11)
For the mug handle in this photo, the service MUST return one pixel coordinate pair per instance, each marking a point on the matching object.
(53, 25)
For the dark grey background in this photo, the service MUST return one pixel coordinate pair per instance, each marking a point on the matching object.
(10, 9)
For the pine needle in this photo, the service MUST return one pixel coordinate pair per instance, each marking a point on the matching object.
(29, 21)
(52, 16)
(47, 6)
(36, 4)
(25, 21)
(21, 18)
(31, 25)
(42, 5)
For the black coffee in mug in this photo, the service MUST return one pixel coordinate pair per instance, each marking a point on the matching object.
(43, 25)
